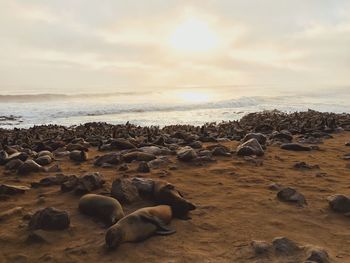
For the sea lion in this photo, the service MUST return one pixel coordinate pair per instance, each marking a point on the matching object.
(165, 193)
(78, 156)
(18, 155)
(3, 157)
(10, 150)
(105, 208)
(295, 147)
(140, 225)
(30, 166)
(44, 160)
(76, 147)
(13, 164)
(45, 153)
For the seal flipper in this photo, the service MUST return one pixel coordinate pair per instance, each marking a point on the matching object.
(165, 232)
(162, 228)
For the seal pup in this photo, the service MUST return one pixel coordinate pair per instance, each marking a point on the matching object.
(106, 208)
(140, 225)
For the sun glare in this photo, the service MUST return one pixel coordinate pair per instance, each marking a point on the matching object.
(191, 96)
(193, 35)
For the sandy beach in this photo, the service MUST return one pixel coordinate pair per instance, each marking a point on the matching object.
(170, 131)
(236, 204)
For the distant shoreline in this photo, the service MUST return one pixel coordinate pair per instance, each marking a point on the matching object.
(317, 116)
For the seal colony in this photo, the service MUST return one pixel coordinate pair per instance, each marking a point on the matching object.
(219, 192)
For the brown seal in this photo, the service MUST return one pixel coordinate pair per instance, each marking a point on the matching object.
(140, 225)
(165, 193)
(103, 207)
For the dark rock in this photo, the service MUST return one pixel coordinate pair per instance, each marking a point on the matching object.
(124, 191)
(339, 203)
(70, 183)
(295, 147)
(143, 167)
(144, 185)
(347, 144)
(89, 183)
(285, 246)
(318, 255)
(291, 195)
(186, 154)
(250, 147)
(49, 219)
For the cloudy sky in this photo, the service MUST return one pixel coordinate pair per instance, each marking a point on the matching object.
(60, 46)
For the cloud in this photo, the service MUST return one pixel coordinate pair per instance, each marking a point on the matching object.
(119, 45)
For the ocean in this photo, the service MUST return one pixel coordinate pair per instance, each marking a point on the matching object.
(148, 109)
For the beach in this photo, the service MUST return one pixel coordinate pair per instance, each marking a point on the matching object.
(237, 205)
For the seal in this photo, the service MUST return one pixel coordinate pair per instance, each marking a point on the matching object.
(30, 166)
(165, 193)
(140, 225)
(78, 156)
(105, 208)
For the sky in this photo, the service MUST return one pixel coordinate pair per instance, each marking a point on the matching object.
(85, 46)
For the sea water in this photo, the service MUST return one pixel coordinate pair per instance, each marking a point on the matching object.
(141, 109)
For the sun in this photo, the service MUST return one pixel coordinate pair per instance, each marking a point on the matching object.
(193, 35)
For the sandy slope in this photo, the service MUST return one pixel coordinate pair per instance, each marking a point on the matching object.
(235, 206)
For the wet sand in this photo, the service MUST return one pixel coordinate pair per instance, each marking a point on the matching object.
(234, 206)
